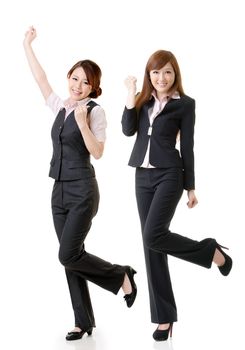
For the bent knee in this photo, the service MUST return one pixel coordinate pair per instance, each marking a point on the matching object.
(64, 257)
(151, 238)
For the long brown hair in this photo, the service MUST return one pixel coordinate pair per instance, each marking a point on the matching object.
(93, 73)
(156, 61)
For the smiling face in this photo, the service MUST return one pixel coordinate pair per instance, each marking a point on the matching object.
(78, 85)
(162, 80)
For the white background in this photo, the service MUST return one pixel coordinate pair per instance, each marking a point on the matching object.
(207, 39)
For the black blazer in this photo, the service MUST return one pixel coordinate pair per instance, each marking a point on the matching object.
(71, 159)
(178, 114)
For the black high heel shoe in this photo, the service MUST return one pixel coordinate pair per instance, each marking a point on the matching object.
(226, 267)
(161, 335)
(78, 335)
(130, 298)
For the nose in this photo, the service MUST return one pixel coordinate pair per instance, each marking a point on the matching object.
(78, 84)
(161, 76)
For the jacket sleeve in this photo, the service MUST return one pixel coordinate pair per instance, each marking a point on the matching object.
(187, 145)
(129, 121)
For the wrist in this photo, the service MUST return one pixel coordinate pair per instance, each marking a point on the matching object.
(131, 92)
(26, 45)
(83, 126)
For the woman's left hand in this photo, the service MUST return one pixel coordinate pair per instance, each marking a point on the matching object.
(192, 199)
(81, 113)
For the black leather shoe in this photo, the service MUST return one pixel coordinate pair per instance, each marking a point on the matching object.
(226, 267)
(161, 335)
(78, 335)
(130, 298)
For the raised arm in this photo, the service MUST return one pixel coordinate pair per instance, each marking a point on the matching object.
(36, 69)
(129, 117)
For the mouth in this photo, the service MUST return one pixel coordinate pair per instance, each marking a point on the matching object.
(76, 92)
(162, 85)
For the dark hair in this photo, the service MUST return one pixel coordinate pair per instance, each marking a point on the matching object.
(93, 73)
(156, 61)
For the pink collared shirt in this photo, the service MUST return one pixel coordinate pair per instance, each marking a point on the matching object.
(153, 113)
(98, 121)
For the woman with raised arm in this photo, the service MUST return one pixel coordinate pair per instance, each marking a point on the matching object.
(78, 132)
(159, 115)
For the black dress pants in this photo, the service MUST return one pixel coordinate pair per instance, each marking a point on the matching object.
(158, 192)
(74, 204)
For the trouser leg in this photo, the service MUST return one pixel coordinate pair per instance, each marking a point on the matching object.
(80, 200)
(158, 192)
(78, 287)
(162, 301)
(158, 237)
(81, 302)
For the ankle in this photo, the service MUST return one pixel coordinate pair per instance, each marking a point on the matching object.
(76, 329)
(163, 326)
(126, 286)
(218, 258)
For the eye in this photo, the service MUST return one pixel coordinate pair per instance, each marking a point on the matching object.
(74, 78)
(155, 72)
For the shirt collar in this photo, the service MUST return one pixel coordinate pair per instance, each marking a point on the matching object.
(175, 95)
(69, 103)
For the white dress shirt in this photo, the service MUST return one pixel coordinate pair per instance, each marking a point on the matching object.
(153, 113)
(97, 123)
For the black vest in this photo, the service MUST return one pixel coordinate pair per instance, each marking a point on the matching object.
(71, 159)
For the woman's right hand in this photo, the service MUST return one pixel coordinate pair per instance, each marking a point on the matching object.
(30, 35)
(130, 83)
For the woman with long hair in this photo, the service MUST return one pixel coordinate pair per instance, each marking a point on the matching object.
(160, 114)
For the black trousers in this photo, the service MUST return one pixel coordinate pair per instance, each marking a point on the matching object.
(74, 204)
(158, 192)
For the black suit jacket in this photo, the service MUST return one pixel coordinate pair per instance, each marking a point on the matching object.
(178, 114)
(71, 159)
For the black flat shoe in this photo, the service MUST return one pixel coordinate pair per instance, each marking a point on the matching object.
(78, 335)
(130, 298)
(161, 335)
(226, 267)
